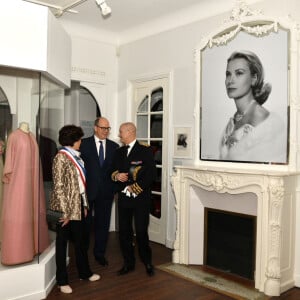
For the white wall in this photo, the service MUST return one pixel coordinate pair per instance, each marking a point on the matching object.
(163, 53)
(174, 51)
(95, 65)
(58, 51)
(31, 38)
(27, 22)
(171, 51)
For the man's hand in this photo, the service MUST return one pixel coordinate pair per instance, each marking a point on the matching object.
(123, 177)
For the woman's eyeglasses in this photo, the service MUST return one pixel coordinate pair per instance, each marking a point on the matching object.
(104, 128)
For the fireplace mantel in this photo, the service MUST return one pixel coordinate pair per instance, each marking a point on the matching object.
(275, 192)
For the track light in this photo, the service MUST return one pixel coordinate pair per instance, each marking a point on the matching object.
(105, 9)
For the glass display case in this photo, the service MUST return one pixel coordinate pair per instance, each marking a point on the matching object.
(33, 107)
(58, 106)
(30, 113)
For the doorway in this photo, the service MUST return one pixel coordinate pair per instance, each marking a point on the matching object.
(150, 107)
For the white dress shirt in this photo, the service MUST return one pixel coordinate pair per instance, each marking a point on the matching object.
(97, 141)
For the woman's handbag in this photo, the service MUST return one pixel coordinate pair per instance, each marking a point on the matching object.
(53, 217)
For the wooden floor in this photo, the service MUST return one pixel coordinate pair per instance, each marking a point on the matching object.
(137, 285)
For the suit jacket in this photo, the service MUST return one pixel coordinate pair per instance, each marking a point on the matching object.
(142, 172)
(98, 178)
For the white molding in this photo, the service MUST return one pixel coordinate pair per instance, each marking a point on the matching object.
(150, 76)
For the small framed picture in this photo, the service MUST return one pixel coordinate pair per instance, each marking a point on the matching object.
(183, 142)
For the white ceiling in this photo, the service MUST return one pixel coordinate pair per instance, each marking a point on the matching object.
(134, 19)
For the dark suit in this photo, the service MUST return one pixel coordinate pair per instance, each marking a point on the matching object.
(100, 191)
(137, 208)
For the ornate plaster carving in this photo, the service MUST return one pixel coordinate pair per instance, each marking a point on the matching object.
(242, 10)
(240, 17)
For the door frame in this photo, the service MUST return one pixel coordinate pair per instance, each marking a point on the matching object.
(167, 113)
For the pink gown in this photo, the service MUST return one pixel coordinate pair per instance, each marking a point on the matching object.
(23, 221)
(1, 195)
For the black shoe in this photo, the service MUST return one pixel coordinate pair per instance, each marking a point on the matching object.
(149, 270)
(102, 261)
(125, 270)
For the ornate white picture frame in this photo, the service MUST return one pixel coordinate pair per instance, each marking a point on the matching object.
(222, 135)
(244, 29)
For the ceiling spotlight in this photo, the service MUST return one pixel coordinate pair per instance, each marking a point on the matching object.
(105, 9)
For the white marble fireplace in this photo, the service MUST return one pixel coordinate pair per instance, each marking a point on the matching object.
(268, 195)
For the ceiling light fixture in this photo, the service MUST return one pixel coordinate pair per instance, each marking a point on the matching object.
(105, 9)
(59, 10)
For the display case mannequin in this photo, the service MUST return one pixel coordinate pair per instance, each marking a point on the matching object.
(24, 127)
(23, 222)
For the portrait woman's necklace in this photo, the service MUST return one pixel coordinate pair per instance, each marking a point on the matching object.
(238, 116)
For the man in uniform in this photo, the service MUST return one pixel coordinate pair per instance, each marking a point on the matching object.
(134, 171)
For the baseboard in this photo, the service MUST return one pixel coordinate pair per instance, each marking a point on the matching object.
(286, 286)
(297, 280)
(169, 244)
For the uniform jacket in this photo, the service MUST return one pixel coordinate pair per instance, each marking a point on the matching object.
(141, 168)
(66, 193)
(98, 178)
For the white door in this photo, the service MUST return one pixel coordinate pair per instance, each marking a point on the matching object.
(150, 102)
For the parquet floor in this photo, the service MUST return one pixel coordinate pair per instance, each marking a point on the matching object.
(137, 285)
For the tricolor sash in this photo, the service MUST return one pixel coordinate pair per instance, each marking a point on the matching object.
(77, 163)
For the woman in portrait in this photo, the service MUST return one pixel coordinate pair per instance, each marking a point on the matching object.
(254, 133)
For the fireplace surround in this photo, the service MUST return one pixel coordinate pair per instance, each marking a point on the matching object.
(268, 195)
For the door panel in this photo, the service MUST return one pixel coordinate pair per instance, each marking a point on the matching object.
(149, 100)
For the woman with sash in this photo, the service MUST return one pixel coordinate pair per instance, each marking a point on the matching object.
(69, 198)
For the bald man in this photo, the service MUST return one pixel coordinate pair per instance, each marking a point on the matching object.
(133, 172)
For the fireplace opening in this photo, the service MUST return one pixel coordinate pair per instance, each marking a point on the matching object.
(230, 240)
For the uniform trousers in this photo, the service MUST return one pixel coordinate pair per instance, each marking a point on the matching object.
(140, 214)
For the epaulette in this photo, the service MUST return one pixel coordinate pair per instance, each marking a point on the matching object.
(135, 172)
(144, 144)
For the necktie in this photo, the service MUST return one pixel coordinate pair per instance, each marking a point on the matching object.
(101, 153)
(127, 149)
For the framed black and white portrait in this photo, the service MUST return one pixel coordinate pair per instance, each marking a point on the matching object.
(244, 90)
(182, 142)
